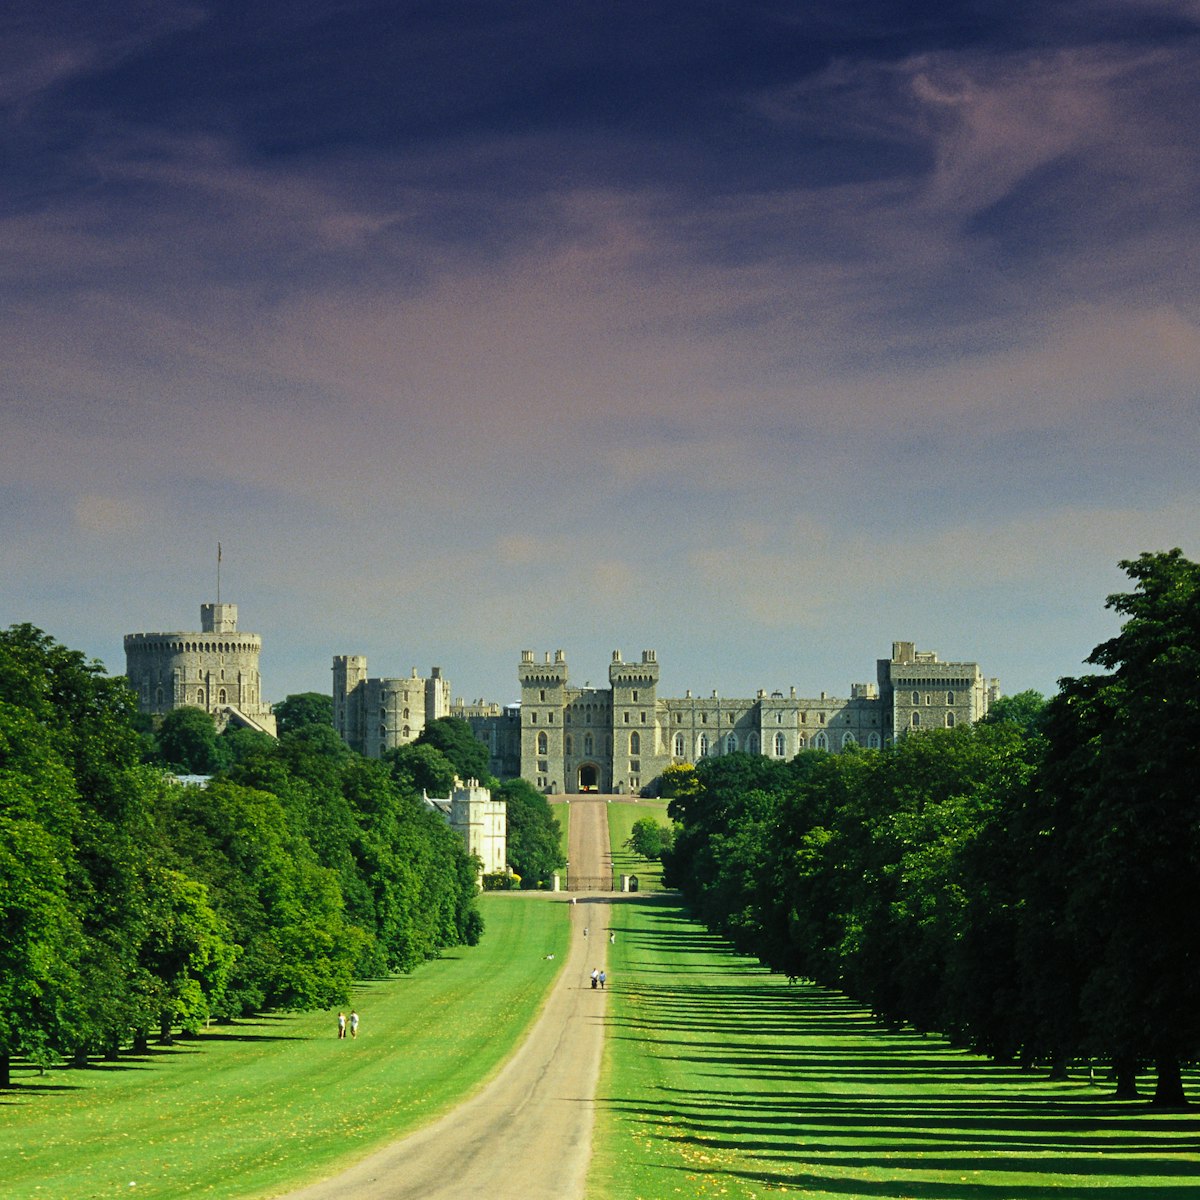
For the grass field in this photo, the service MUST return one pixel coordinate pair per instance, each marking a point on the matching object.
(621, 816)
(245, 1109)
(562, 811)
(721, 1079)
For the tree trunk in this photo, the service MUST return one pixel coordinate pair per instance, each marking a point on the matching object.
(141, 1041)
(1125, 1073)
(1058, 1068)
(5, 1069)
(1168, 1090)
(164, 1030)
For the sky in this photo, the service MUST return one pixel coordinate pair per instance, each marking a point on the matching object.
(760, 334)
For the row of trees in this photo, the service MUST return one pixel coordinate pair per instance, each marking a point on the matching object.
(131, 905)
(186, 740)
(1028, 885)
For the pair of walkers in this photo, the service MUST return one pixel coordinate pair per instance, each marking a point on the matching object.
(598, 977)
(352, 1024)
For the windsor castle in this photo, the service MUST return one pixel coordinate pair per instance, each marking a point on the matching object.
(559, 737)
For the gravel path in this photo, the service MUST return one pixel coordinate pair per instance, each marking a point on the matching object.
(528, 1134)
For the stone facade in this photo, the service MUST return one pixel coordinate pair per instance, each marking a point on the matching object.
(482, 822)
(375, 715)
(215, 669)
(617, 739)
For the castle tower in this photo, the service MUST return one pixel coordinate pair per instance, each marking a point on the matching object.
(216, 669)
(543, 706)
(635, 733)
(349, 682)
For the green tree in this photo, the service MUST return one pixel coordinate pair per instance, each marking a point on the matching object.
(650, 838)
(534, 835)
(188, 742)
(1123, 752)
(1025, 709)
(303, 708)
(420, 768)
(467, 754)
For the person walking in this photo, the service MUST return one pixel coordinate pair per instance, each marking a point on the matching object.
(353, 1024)
(595, 977)
(612, 937)
(341, 1025)
(603, 977)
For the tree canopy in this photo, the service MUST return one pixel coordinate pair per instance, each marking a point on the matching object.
(132, 904)
(1026, 885)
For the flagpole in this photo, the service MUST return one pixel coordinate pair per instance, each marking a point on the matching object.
(218, 573)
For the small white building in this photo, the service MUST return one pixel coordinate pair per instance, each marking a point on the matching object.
(482, 821)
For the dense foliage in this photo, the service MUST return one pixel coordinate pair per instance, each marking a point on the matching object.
(1027, 885)
(130, 903)
(534, 834)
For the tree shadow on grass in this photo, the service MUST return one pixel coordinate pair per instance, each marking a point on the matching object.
(793, 1086)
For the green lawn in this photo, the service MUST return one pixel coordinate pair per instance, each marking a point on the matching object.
(562, 810)
(721, 1079)
(245, 1109)
(621, 816)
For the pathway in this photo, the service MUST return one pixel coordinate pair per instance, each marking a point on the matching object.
(528, 1134)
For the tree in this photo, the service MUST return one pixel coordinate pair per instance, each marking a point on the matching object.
(187, 741)
(1024, 709)
(1122, 773)
(467, 754)
(303, 708)
(650, 838)
(534, 835)
(420, 768)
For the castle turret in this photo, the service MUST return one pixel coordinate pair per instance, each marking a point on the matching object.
(543, 701)
(635, 733)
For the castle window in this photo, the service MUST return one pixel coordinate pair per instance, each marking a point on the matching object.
(221, 695)
(780, 748)
(702, 746)
(848, 739)
(406, 714)
(928, 698)
(533, 718)
(779, 718)
(872, 741)
(679, 718)
(549, 718)
(626, 718)
(949, 720)
(635, 743)
(406, 731)
(643, 718)
(916, 697)
(949, 697)
(635, 696)
(542, 694)
(731, 718)
(679, 745)
(544, 765)
(731, 743)
(587, 744)
(635, 766)
(821, 718)
(542, 744)
(752, 743)
(200, 697)
(569, 744)
(916, 720)
(704, 718)
(821, 742)
(804, 718)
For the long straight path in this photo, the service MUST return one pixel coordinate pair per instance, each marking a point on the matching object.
(527, 1134)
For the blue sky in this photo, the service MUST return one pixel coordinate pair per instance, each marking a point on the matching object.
(761, 335)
